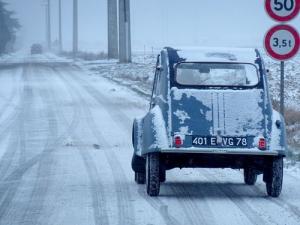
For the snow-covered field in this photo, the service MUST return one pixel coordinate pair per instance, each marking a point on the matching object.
(292, 81)
(65, 153)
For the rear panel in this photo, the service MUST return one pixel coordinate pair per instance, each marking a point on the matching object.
(218, 118)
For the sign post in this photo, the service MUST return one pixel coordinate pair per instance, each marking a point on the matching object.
(282, 42)
(282, 88)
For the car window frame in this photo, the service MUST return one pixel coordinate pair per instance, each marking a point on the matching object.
(155, 81)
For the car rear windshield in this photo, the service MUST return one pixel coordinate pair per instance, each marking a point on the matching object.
(217, 74)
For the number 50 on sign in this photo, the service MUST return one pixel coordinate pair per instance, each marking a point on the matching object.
(282, 10)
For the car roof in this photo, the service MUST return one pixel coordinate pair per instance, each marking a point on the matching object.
(245, 55)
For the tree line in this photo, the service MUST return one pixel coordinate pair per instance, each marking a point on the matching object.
(8, 27)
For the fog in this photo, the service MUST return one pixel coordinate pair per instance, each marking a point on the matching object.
(155, 23)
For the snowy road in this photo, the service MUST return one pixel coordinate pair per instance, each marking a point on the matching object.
(65, 152)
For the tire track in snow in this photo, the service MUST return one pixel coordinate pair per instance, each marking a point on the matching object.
(25, 117)
(125, 208)
(96, 184)
(14, 92)
(123, 120)
(98, 198)
(126, 211)
(282, 204)
(8, 123)
(158, 206)
(277, 201)
(190, 208)
(8, 129)
(40, 189)
(244, 207)
(35, 159)
(14, 178)
(9, 189)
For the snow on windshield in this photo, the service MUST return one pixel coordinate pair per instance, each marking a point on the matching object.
(217, 74)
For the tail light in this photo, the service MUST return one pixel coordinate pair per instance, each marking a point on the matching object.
(178, 141)
(262, 144)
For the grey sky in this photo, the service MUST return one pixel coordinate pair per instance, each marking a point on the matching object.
(156, 23)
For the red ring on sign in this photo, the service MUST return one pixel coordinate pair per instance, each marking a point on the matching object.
(282, 18)
(273, 54)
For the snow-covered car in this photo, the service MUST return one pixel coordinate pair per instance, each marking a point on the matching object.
(36, 49)
(210, 108)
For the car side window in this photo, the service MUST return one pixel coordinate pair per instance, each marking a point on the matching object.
(155, 90)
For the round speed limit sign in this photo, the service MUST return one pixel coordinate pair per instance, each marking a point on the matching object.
(282, 10)
(282, 42)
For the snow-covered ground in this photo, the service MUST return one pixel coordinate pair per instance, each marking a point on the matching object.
(65, 153)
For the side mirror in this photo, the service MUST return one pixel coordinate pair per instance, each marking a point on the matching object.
(278, 124)
(159, 68)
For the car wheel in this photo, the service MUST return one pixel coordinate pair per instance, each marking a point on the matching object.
(152, 174)
(274, 177)
(250, 176)
(140, 178)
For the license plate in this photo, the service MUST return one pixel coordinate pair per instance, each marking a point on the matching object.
(226, 142)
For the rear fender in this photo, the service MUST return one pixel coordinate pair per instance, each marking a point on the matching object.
(278, 134)
(137, 162)
(154, 132)
(137, 136)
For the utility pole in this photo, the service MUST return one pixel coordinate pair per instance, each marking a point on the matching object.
(60, 27)
(124, 32)
(48, 25)
(75, 27)
(112, 14)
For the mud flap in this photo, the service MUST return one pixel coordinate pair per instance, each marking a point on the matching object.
(138, 164)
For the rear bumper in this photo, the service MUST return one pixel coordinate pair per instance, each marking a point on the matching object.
(222, 151)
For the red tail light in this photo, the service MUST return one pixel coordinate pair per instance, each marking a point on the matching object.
(177, 141)
(262, 145)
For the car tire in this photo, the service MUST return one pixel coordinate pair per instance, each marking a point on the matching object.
(162, 175)
(152, 174)
(140, 178)
(250, 176)
(274, 177)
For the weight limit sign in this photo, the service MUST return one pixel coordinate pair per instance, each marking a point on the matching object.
(282, 10)
(282, 42)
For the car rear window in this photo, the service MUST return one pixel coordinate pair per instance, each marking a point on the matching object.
(217, 74)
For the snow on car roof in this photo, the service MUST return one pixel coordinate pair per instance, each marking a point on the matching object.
(245, 55)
